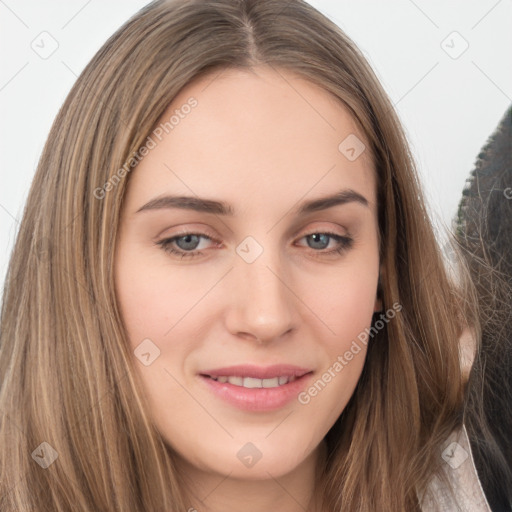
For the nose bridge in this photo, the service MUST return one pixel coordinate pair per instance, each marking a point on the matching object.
(261, 304)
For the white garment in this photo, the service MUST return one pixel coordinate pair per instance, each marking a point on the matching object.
(459, 466)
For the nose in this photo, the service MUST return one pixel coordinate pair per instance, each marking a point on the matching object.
(261, 303)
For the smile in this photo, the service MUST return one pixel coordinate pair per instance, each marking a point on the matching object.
(252, 382)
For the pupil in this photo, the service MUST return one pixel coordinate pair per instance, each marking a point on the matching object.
(189, 239)
(316, 239)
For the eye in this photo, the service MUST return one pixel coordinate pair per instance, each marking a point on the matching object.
(187, 243)
(343, 243)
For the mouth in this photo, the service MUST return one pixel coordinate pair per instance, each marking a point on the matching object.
(255, 388)
(251, 376)
(253, 382)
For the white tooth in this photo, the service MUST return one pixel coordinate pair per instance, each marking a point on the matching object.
(270, 383)
(236, 381)
(251, 382)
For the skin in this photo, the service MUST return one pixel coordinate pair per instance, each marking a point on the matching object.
(263, 142)
(468, 351)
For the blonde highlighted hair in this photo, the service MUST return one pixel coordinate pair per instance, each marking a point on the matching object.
(67, 374)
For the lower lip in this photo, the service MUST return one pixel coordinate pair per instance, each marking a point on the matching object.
(257, 399)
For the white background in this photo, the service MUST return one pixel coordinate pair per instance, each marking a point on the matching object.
(449, 106)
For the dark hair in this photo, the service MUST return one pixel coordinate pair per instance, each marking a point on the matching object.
(484, 231)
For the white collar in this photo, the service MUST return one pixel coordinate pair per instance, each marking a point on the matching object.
(459, 467)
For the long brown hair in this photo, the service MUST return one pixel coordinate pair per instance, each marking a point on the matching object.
(68, 377)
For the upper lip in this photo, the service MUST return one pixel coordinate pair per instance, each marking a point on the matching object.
(258, 372)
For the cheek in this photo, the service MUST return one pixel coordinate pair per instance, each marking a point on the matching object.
(152, 302)
(344, 302)
(347, 306)
(152, 298)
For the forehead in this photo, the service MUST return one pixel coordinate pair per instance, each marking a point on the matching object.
(267, 130)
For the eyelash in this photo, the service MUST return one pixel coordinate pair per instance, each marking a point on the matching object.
(344, 241)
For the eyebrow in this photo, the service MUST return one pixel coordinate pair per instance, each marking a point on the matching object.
(221, 208)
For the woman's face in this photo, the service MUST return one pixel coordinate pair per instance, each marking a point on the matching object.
(249, 239)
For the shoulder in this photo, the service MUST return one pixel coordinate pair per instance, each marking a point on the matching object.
(467, 495)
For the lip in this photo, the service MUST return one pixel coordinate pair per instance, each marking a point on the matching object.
(257, 399)
(258, 372)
